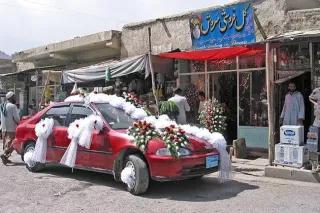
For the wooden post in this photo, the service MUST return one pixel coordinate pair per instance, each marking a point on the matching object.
(152, 71)
(270, 95)
(238, 95)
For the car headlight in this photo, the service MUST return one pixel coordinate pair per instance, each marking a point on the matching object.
(166, 152)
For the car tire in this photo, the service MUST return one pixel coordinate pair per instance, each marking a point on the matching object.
(142, 179)
(37, 167)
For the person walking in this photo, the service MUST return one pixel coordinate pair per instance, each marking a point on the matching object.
(9, 121)
(182, 104)
(293, 112)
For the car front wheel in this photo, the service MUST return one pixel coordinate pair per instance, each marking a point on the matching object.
(140, 175)
(27, 153)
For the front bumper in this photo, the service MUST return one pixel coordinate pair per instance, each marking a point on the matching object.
(170, 169)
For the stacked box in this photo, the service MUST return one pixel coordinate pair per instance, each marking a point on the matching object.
(313, 139)
(279, 153)
(291, 155)
(293, 135)
(291, 150)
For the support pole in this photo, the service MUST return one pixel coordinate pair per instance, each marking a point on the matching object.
(270, 95)
(152, 71)
(238, 95)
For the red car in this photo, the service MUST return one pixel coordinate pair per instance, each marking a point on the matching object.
(111, 151)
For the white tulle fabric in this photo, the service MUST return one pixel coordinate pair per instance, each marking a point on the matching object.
(74, 98)
(113, 100)
(43, 130)
(80, 133)
(218, 142)
(127, 176)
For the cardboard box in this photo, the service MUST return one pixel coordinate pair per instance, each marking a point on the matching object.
(279, 153)
(291, 155)
(313, 142)
(293, 135)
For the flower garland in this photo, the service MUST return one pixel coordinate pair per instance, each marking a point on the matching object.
(142, 132)
(213, 117)
(174, 138)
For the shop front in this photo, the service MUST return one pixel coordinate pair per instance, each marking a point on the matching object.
(237, 82)
(227, 64)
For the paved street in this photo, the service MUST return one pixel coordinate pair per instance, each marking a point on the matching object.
(60, 190)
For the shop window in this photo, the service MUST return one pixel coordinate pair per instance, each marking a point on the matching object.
(293, 57)
(252, 61)
(253, 110)
(223, 64)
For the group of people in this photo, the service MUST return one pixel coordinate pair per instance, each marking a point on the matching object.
(183, 105)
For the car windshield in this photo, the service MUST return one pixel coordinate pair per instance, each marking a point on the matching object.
(116, 118)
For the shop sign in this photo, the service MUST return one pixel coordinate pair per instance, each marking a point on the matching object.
(223, 27)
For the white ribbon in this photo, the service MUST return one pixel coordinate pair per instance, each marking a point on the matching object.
(43, 130)
(80, 133)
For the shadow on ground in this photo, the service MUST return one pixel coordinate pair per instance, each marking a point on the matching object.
(197, 190)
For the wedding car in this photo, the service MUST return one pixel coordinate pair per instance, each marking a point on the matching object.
(112, 150)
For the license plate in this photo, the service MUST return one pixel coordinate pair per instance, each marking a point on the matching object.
(212, 161)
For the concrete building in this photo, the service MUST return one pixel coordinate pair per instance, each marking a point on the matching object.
(87, 49)
(39, 69)
(173, 32)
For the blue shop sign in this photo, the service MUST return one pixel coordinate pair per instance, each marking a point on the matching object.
(223, 27)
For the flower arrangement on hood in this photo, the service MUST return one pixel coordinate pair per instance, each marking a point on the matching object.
(174, 138)
(213, 117)
(142, 132)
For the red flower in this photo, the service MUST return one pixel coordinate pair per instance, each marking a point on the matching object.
(171, 137)
(172, 126)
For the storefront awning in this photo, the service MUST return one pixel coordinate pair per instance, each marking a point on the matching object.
(213, 54)
(111, 69)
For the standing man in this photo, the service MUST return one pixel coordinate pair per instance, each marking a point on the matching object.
(182, 104)
(293, 109)
(9, 120)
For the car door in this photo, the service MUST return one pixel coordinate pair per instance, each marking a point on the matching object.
(79, 111)
(58, 141)
(97, 157)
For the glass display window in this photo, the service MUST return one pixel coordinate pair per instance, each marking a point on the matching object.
(253, 108)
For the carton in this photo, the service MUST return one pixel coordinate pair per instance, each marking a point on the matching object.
(279, 153)
(291, 155)
(293, 135)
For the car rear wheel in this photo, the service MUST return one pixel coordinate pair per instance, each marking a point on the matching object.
(140, 175)
(31, 166)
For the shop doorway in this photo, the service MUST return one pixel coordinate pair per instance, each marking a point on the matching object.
(223, 87)
(303, 83)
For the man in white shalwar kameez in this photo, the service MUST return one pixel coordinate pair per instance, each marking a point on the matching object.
(182, 104)
(293, 112)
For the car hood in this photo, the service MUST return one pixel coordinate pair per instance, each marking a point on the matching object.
(199, 146)
(196, 145)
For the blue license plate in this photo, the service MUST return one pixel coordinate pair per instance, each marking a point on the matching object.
(212, 161)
